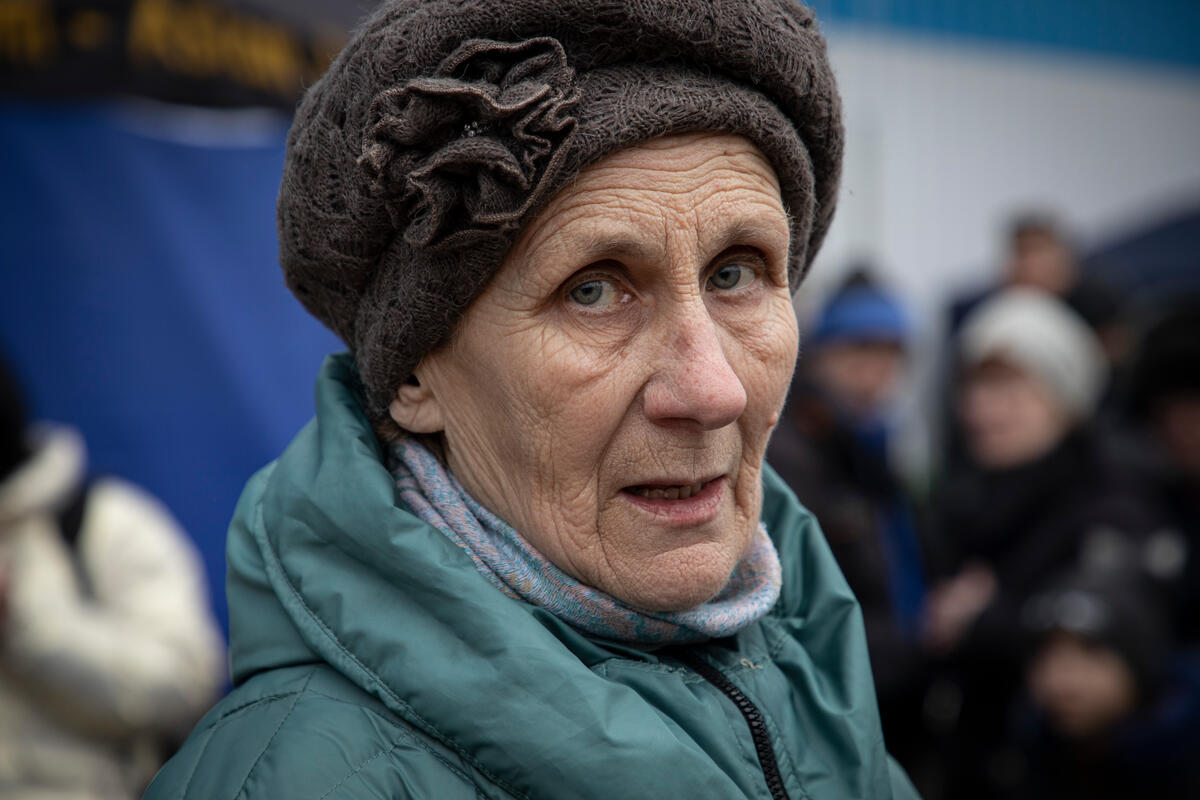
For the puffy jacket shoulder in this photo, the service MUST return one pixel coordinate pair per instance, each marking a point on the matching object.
(306, 733)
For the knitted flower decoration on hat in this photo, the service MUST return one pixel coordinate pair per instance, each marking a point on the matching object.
(444, 126)
(464, 153)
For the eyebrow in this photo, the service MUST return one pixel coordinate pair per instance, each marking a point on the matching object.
(746, 232)
(600, 246)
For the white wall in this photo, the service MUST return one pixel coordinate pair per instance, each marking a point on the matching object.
(946, 138)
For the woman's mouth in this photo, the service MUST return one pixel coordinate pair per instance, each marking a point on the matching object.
(667, 492)
(679, 504)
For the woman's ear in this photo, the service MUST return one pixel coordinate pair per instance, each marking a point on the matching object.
(415, 408)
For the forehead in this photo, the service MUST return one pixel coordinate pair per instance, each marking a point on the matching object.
(705, 188)
(1036, 237)
(997, 367)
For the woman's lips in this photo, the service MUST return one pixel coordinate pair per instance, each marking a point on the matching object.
(679, 504)
(668, 491)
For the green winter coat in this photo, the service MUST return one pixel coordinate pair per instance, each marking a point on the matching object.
(371, 660)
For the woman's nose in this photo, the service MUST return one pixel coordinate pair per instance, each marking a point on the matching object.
(694, 383)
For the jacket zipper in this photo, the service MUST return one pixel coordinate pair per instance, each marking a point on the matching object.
(754, 718)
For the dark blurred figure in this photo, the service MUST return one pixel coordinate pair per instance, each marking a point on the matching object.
(831, 446)
(1115, 713)
(108, 650)
(1041, 256)
(1164, 398)
(1041, 492)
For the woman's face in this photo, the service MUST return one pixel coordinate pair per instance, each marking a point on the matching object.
(863, 375)
(611, 393)
(1010, 416)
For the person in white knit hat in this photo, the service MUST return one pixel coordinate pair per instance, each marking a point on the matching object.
(1032, 370)
(1041, 494)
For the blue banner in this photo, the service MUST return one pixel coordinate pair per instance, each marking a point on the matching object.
(143, 302)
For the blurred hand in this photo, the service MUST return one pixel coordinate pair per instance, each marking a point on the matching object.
(955, 604)
(1083, 687)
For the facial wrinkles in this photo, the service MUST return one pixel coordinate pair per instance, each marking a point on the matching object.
(557, 472)
(535, 408)
(687, 326)
(682, 334)
(607, 189)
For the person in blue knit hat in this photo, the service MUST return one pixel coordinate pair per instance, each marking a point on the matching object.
(831, 447)
(858, 347)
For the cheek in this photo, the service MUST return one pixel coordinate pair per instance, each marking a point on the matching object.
(577, 395)
(883, 374)
(986, 409)
(767, 349)
(1034, 414)
(548, 407)
(765, 359)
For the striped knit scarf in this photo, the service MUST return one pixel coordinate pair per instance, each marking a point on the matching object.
(508, 562)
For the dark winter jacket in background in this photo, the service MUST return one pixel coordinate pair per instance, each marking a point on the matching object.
(1030, 525)
(1181, 499)
(1150, 755)
(846, 481)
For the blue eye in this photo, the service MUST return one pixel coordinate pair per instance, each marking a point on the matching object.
(594, 294)
(732, 276)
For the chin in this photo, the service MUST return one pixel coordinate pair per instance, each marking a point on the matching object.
(681, 581)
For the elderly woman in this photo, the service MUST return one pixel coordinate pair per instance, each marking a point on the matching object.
(528, 547)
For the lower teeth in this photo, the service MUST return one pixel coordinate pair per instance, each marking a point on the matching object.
(673, 493)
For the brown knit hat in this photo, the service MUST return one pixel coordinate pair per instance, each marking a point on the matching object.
(445, 125)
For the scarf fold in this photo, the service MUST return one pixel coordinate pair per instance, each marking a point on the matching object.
(512, 565)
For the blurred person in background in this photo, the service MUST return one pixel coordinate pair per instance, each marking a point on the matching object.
(1040, 493)
(108, 650)
(832, 448)
(1116, 714)
(1041, 256)
(1164, 401)
(1037, 256)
